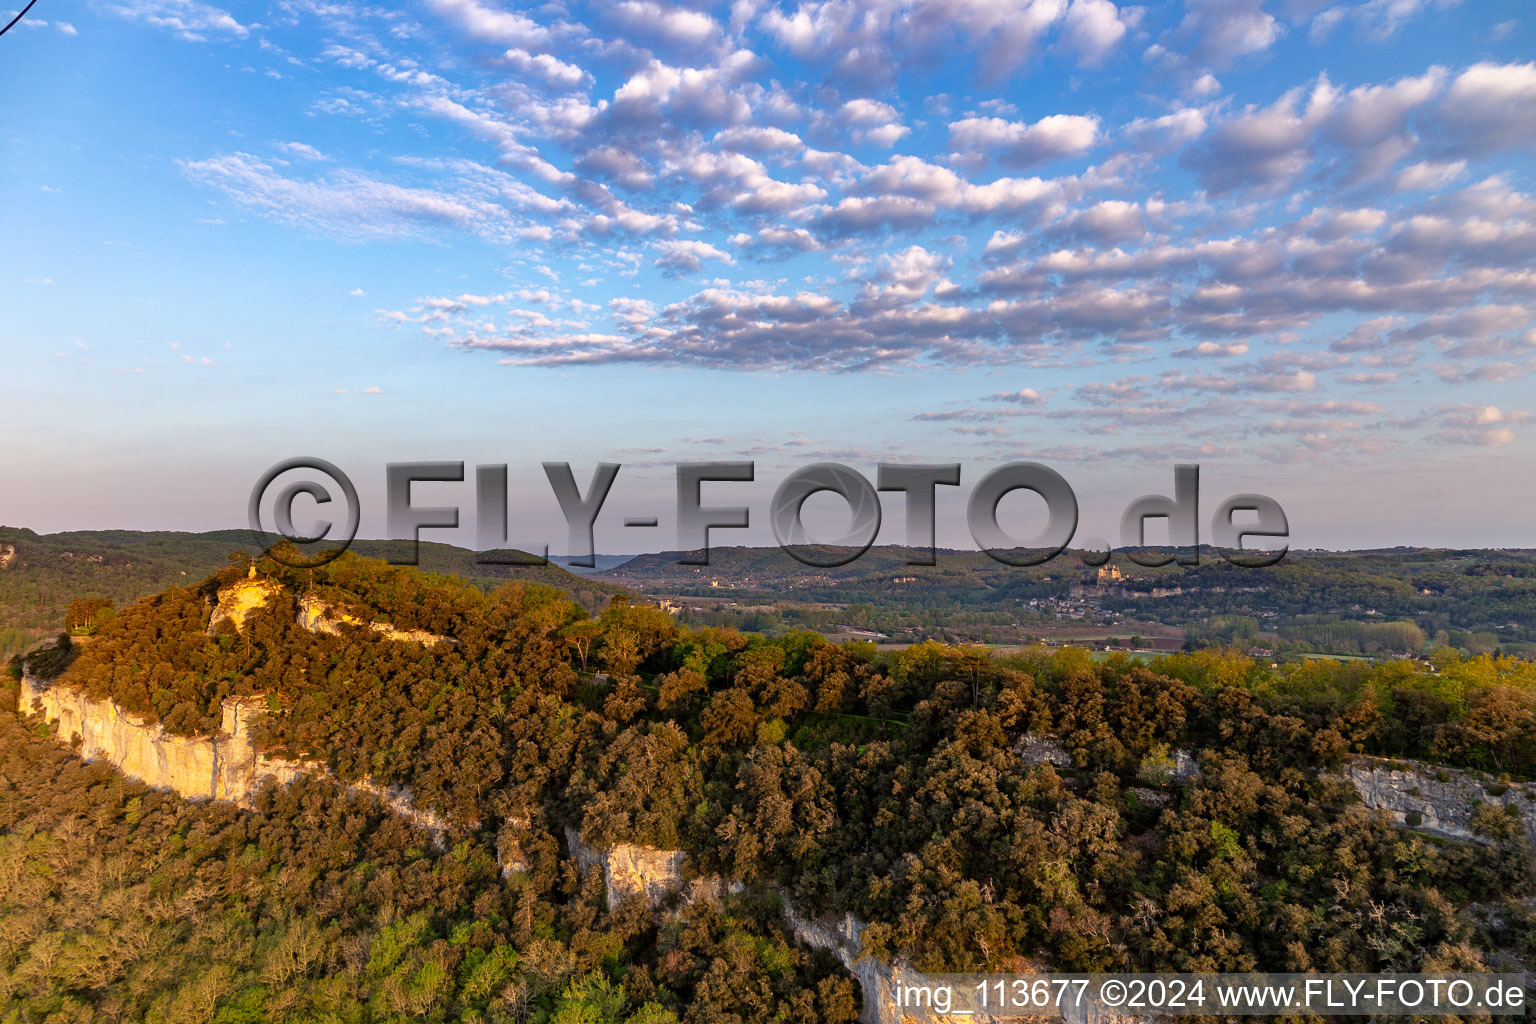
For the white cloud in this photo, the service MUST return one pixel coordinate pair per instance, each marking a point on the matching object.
(348, 203)
(1263, 146)
(678, 26)
(1428, 174)
(1206, 85)
(302, 150)
(1490, 107)
(873, 40)
(491, 24)
(548, 70)
(1021, 145)
(1024, 396)
(1483, 425)
(1376, 20)
(190, 20)
(1217, 32)
(679, 255)
(1092, 28)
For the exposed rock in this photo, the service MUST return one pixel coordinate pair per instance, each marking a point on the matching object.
(1185, 769)
(7, 555)
(844, 939)
(712, 887)
(1149, 797)
(1035, 749)
(1439, 801)
(588, 859)
(1164, 767)
(237, 601)
(399, 800)
(511, 855)
(889, 987)
(223, 766)
(630, 870)
(318, 617)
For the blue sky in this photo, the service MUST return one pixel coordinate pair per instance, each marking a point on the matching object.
(1293, 241)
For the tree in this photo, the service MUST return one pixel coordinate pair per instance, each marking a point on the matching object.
(86, 613)
(581, 636)
(632, 633)
(729, 719)
(677, 688)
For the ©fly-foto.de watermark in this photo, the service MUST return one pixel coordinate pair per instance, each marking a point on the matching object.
(1264, 518)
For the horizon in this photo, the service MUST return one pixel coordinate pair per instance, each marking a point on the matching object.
(555, 558)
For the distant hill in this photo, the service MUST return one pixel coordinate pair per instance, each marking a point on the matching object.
(1476, 600)
(1489, 595)
(41, 573)
(602, 563)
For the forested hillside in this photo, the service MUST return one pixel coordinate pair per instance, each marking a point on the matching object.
(1476, 601)
(40, 574)
(896, 786)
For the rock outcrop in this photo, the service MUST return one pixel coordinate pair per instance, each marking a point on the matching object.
(655, 875)
(236, 602)
(511, 846)
(7, 555)
(630, 870)
(223, 766)
(1037, 749)
(317, 616)
(1163, 766)
(878, 981)
(1440, 801)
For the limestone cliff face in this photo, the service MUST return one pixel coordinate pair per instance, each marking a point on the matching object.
(630, 870)
(318, 617)
(398, 799)
(890, 988)
(844, 939)
(221, 767)
(237, 601)
(1437, 800)
(224, 766)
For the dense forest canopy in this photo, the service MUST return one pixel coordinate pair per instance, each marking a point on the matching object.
(44, 573)
(844, 779)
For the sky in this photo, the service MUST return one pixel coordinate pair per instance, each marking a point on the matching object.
(1291, 241)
